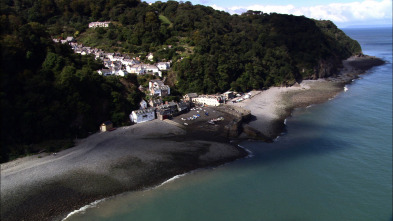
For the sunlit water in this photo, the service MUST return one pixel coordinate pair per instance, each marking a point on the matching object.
(334, 163)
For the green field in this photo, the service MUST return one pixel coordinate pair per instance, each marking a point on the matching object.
(165, 20)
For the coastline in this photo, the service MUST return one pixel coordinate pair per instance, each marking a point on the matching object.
(271, 107)
(48, 187)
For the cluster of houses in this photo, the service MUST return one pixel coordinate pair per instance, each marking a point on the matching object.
(68, 40)
(156, 109)
(117, 63)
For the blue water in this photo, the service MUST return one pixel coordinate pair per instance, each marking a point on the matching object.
(335, 163)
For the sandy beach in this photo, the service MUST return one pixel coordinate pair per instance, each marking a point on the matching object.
(48, 186)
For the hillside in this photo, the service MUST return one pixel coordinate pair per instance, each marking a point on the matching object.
(49, 93)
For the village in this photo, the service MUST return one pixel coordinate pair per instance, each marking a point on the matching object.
(121, 65)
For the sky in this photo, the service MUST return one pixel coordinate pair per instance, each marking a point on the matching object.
(344, 13)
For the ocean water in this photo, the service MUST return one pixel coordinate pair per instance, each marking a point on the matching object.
(334, 163)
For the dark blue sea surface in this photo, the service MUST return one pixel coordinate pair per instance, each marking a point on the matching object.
(334, 163)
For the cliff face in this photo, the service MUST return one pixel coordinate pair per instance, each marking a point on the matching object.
(326, 68)
(340, 47)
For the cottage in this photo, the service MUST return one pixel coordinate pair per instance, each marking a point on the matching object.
(163, 66)
(140, 116)
(167, 110)
(182, 107)
(104, 24)
(188, 97)
(119, 72)
(209, 100)
(150, 57)
(158, 88)
(143, 104)
(129, 62)
(164, 113)
(229, 95)
(152, 69)
(109, 55)
(106, 126)
(116, 64)
(161, 91)
(135, 69)
(155, 102)
(105, 72)
(70, 39)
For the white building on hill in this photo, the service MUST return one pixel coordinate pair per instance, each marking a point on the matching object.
(140, 116)
(104, 24)
(209, 100)
(157, 87)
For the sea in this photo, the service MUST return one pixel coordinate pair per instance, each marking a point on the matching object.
(333, 163)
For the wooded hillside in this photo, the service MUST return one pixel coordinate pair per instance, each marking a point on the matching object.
(47, 92)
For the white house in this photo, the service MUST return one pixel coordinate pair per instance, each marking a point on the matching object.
(140, 116)
(119, 72)
(110, 55)
(129, 62)
(143, 104)
(105, 72)
(188, 97)
(209, 100)
(104, 24)
(161, 91)
(150, 57)
(158, 88)
(163, 66)
(135, 69)
(152, 69)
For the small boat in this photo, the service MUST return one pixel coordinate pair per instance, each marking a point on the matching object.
(345, 88)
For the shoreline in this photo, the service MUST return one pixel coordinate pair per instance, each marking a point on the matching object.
(49, 187)
(271, 107)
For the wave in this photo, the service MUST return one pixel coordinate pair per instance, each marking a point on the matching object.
(250, 153)
(171, 179)
(84, 208)
(95, 203)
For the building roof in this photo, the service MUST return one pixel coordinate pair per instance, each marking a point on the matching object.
(144, 111)
(192, 95)
(106, 123)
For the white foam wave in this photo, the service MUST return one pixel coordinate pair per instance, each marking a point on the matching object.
(84, 208)
(171, 179)
(250, 153)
